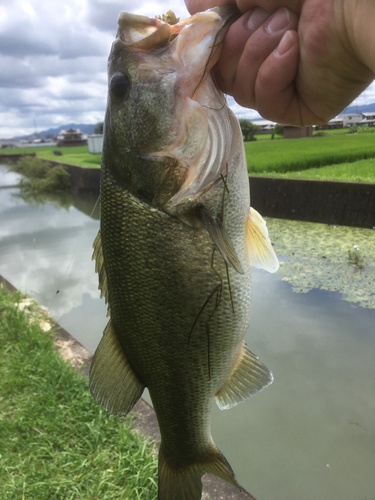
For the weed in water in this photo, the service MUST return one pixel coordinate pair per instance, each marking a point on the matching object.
(355, 258)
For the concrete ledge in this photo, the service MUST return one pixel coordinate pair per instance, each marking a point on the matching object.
(329, 202)
(145, 419)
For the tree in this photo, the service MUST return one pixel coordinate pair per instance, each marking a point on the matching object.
(248, 129)
(99, 128)
(279, 129)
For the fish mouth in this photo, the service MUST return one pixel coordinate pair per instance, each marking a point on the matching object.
(145, 33)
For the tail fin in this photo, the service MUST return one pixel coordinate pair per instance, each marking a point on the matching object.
(184, 482)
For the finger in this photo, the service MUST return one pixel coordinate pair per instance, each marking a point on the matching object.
(257, 49)
(194, 6)
(270, 5)
(275, 94)
(234, 44)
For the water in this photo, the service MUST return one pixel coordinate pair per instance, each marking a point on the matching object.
(46, 249)
(311, 434)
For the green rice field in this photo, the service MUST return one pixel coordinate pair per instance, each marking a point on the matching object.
(357, 171)
(291, 155)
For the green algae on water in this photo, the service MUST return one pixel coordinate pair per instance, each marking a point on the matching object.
(333, 258)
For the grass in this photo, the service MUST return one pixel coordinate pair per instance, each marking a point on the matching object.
(77, 155)
(334, 131)
(357, 171)
(301, 154)
(55, 442)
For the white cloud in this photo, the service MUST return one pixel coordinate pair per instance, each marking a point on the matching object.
(53, 60)
(368, 96)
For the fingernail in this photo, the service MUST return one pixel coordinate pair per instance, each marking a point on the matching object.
(279, 21)
(257, 18)
(285, 44)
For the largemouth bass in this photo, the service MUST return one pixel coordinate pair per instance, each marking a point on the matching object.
(176, 244)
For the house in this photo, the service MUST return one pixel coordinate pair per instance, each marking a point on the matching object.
(351, 119)
(71, 137)
(337, 122)
(368, 119)
(266, 126)
(346, 120)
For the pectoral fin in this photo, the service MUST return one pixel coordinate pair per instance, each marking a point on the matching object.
(113, 383)
(220, 237)
(248, 377)
(261, 253)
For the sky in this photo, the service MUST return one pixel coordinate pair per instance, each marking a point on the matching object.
(53, 60)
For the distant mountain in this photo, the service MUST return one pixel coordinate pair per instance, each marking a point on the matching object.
(84, 128)
(365, 108)
(90, 129)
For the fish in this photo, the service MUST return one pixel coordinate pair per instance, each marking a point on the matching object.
(176, 243)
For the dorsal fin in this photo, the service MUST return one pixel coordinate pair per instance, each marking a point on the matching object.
(100, 269)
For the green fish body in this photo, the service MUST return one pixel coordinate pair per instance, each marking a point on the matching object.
(176, 244)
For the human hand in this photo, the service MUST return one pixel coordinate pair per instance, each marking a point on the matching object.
(296, 61)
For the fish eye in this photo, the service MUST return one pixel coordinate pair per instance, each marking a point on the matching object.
(119, 85)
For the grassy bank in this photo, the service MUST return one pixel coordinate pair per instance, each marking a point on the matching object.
(55, 442)
(77, 155)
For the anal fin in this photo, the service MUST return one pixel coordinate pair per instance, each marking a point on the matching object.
(113, 383)
(248, 377)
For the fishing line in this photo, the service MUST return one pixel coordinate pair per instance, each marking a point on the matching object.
(58, 291)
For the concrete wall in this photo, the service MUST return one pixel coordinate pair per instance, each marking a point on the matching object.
(343, 203)
(291, 132)
(82, 179)
(329, 202)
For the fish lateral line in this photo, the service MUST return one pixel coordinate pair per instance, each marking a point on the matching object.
(208, 351)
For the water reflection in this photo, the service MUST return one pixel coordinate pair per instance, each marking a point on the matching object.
(309, 435)
(45, 250)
